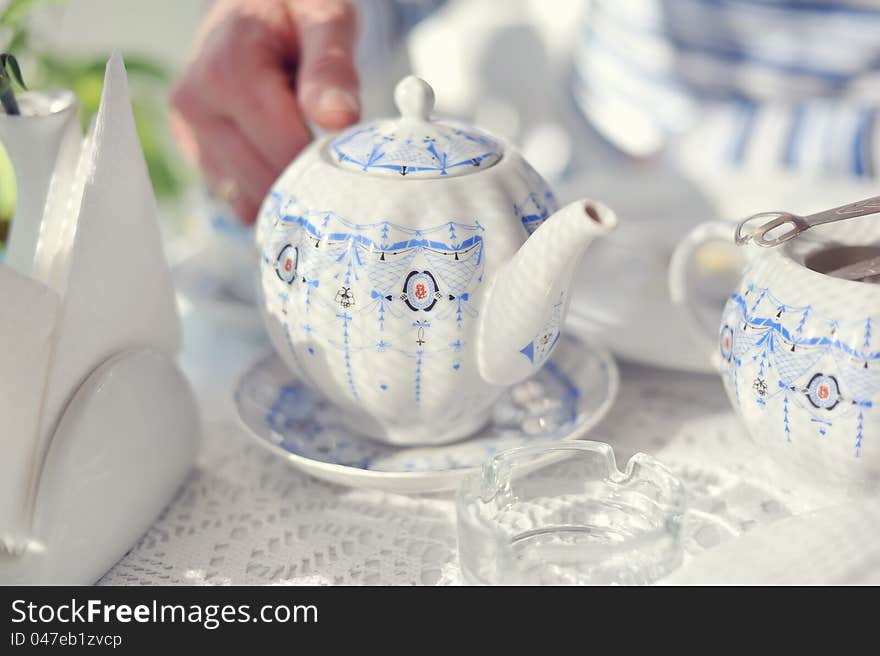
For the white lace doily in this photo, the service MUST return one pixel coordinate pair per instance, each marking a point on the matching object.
(245, 517)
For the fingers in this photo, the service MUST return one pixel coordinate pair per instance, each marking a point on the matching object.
(241, 75)
(326, 77)
(229, 154)
(239, 113)
(226, 156)
(270, 117)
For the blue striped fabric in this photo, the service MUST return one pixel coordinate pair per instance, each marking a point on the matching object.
(792, 84)
(759, 84)
(410, 12)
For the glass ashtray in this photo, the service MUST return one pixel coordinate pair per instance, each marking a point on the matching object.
(563, 514)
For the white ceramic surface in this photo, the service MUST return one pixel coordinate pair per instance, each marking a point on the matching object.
(412, 270)
(43, 144)
(563, 401)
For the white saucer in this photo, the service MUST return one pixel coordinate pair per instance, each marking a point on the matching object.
(570, 395)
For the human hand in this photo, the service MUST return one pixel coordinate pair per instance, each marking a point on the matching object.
(259, 69)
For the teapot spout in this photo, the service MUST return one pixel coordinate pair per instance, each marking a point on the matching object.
(528, 298)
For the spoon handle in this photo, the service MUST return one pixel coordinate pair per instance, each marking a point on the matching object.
(849, 211)
(792, 225)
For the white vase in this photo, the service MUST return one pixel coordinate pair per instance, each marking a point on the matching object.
(43, 144)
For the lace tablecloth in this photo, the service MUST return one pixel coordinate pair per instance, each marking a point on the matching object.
(245, 517)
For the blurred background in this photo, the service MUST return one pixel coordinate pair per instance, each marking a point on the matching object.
(65, 43)
(785, 118)
(498, 63)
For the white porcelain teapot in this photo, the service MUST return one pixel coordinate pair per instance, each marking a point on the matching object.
(412, 269)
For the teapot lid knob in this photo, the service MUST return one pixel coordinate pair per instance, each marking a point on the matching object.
(414, 98)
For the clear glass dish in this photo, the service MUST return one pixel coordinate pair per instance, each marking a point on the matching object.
(563, 514)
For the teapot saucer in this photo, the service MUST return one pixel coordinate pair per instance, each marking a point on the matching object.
(570, 395)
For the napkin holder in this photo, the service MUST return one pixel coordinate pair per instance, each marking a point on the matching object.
(99, 427)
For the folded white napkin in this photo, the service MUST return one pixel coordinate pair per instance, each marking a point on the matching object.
(99, 284)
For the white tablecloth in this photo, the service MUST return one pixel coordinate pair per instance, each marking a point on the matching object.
(245, 517)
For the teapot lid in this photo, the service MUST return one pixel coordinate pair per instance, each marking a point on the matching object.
(413, 145)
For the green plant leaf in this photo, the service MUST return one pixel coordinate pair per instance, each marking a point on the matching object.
(18, 42)
(9, 65)
(55, 70)
(85, 75)
(16, 10)
(164, 175)
(7, 191)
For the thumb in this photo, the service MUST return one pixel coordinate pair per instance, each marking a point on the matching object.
(327, 83)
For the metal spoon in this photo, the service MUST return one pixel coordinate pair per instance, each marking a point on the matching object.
(864, 271)
(800, 224)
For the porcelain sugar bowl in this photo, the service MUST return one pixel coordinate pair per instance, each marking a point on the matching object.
(413, 269)
(798, 348)
(801, 359)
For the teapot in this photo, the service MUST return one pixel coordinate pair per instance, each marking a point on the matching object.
(412, 269)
